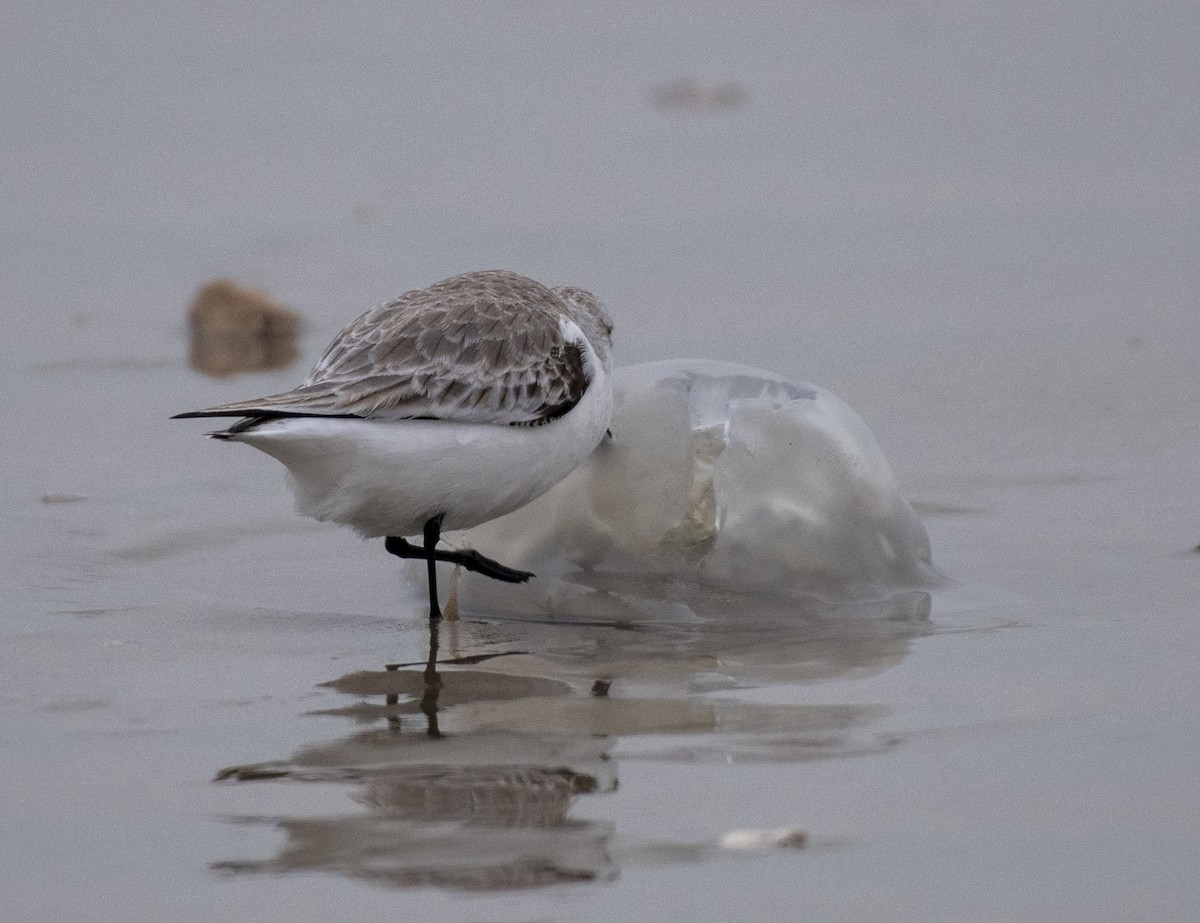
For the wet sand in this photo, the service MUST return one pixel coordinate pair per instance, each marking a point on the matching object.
(977, 227)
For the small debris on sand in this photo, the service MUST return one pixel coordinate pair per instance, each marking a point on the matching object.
(253, 772)
(690, 93)
(234, 329)
(771, 838)
(62, 498)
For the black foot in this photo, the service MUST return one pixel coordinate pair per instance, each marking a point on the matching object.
(470, 559)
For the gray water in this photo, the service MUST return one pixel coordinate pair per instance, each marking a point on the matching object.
(978, 226)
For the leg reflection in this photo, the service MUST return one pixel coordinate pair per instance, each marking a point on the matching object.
(392, 699)
(433, 682)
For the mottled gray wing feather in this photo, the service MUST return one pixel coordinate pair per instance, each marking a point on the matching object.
(484, 347)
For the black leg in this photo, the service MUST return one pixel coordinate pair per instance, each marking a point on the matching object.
(433, 531)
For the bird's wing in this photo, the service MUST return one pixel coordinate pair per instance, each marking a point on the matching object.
(487, 347)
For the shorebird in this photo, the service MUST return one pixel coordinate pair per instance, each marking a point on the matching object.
(447, 407)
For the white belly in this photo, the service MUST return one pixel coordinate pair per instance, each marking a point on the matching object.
(390, 477)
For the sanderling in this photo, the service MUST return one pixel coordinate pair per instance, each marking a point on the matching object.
(445, 408)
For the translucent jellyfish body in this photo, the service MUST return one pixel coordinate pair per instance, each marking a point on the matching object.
(718, 478)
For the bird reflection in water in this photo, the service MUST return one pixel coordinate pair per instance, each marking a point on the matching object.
(485, 810)
(476, 764)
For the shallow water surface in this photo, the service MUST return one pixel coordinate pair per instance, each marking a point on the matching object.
(470, 766)
(976, 225)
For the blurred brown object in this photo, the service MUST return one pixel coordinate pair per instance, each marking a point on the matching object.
(235, 329)
(690, 93)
